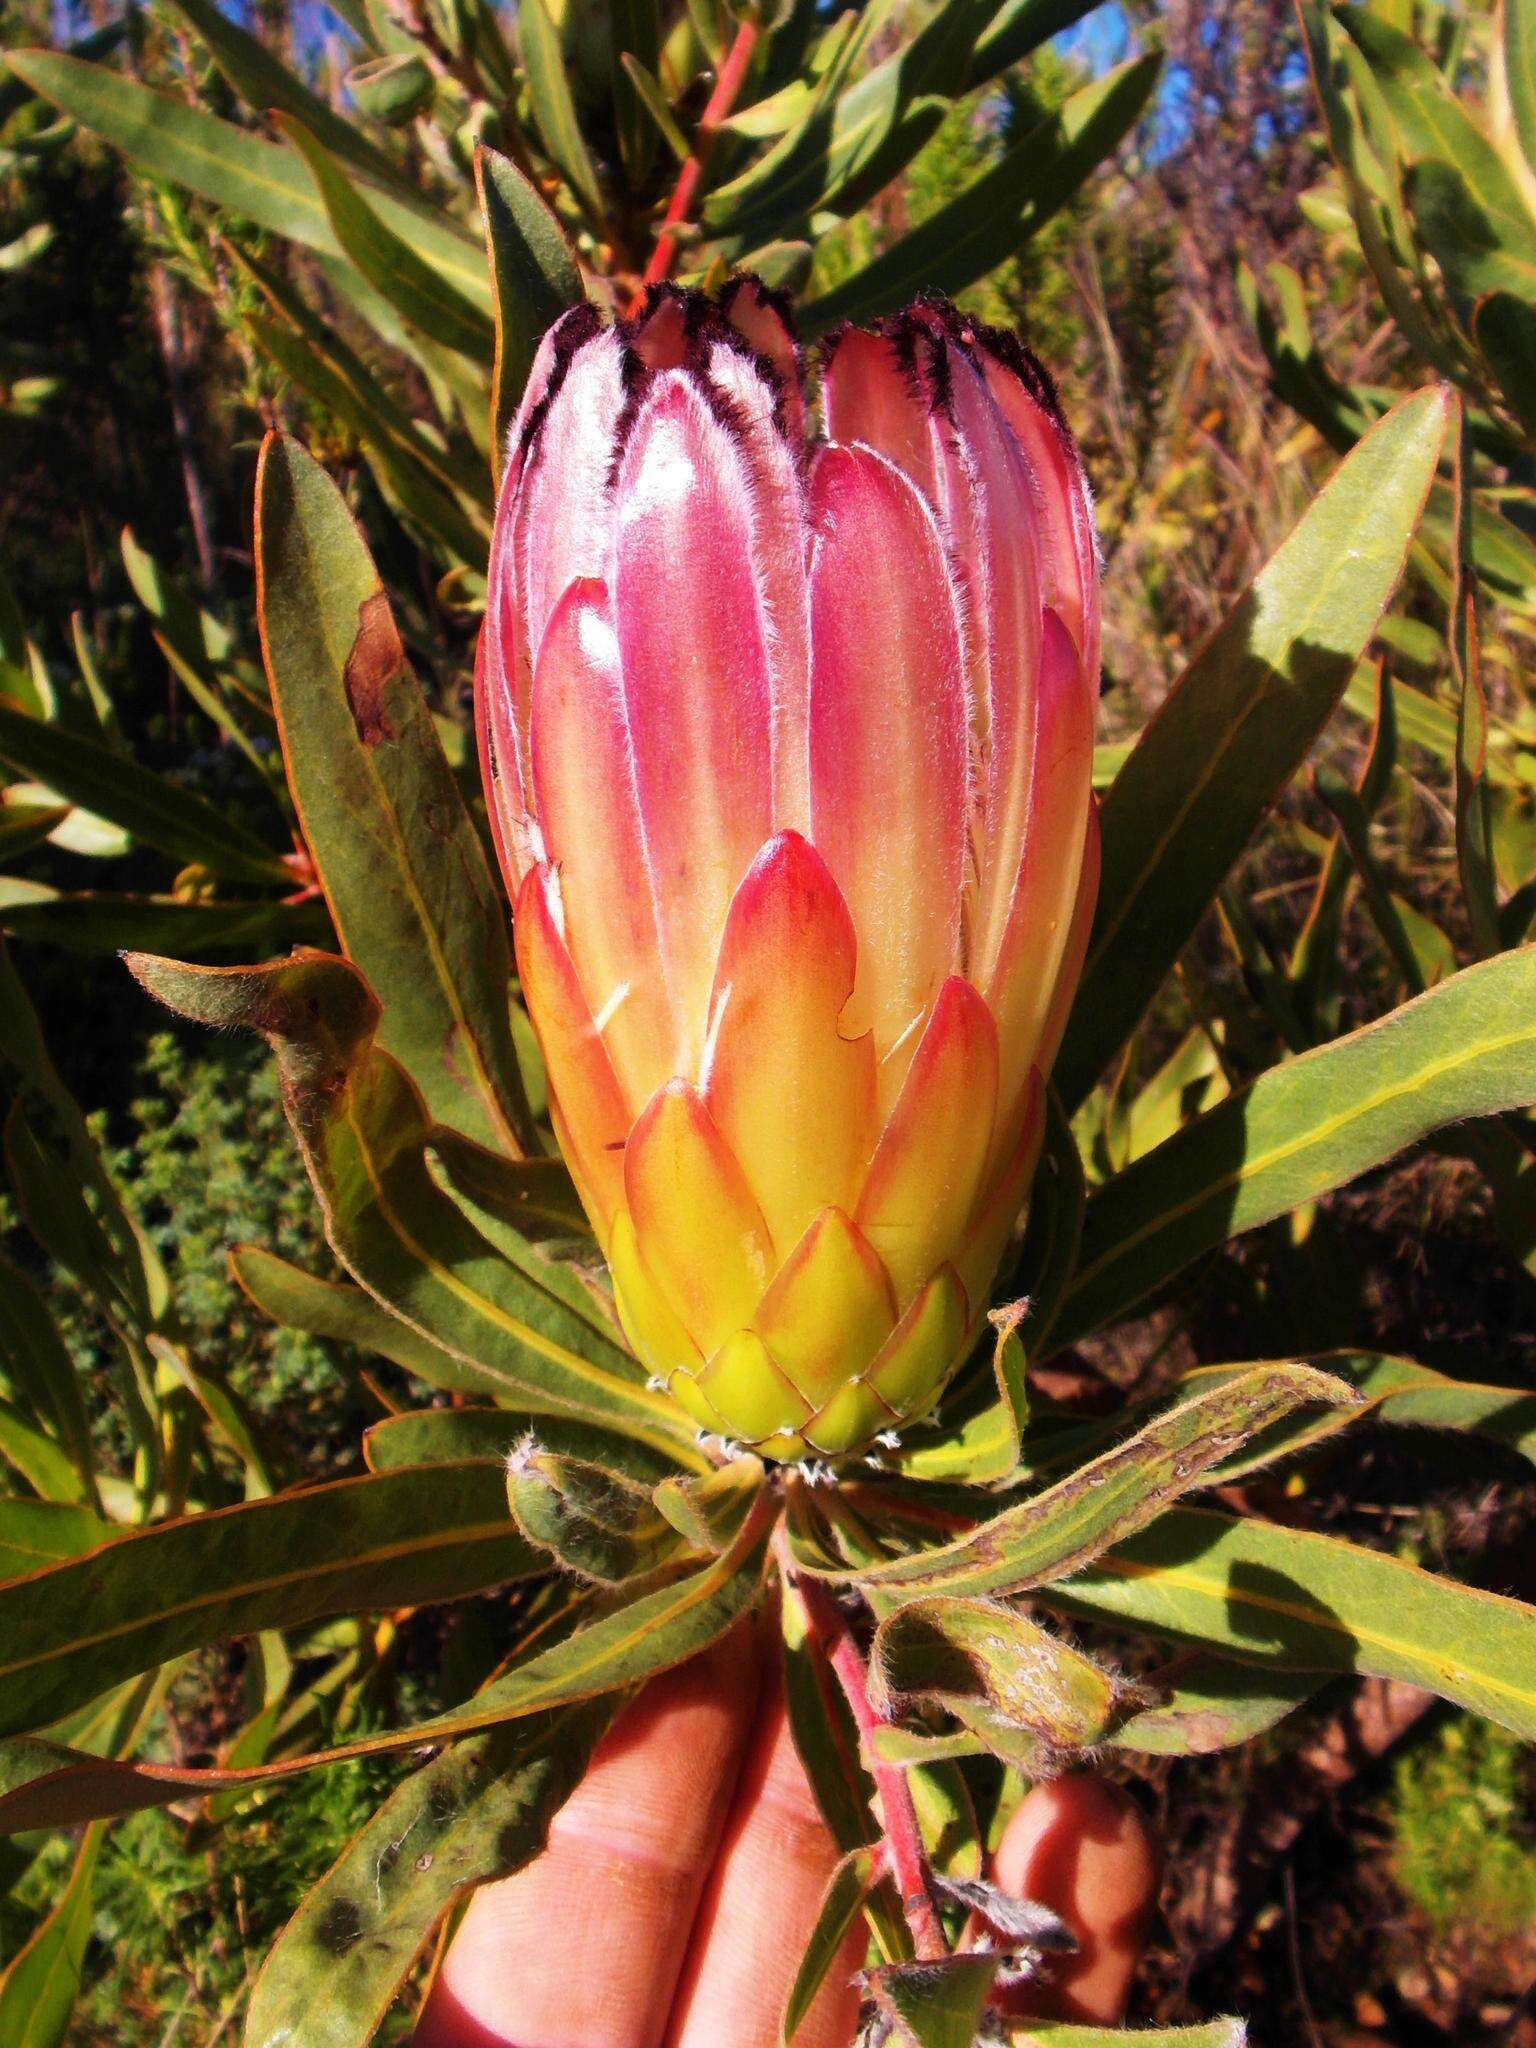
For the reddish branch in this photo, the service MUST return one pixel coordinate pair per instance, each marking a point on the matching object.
(717, 110)
(904, 1849)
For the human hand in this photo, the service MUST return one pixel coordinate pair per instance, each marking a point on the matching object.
(682, 1880)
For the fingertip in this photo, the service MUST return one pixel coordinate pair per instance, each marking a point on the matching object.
(1082, 1846)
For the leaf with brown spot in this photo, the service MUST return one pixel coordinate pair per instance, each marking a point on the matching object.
(396, 851)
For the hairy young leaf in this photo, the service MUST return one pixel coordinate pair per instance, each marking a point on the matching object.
(1059, 1531)
(480, 1811)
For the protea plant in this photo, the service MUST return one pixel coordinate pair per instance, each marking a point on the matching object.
(786, 704)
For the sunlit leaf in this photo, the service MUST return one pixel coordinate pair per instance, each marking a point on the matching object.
(1239, 723)
(402, 866)
(1466, 1049)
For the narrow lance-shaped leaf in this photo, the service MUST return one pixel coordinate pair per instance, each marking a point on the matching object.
(152, 810)
(488, 1436)
(478, 1812)
(37, 1362)
(44, 1784)
(28, 1074)
(1238, 724)
(1517, 57)
(1007, 204)
(1474, 814)
(554, 111)
(363, 1131)
(398, 856)
(387, 258)
(398, 1539)
(161, 135)
(841, 1904)
(534, 278)
(40, 1984)
(344, 1314)
(1466, 1049)
(1292, 1600)
(1058, 1531)
(266, 84)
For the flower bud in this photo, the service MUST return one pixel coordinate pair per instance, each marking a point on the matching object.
(787, 735)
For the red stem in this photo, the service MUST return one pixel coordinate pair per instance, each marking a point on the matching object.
(903, 1838)
(717, 109)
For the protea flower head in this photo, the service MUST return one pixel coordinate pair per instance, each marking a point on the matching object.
(787, 733)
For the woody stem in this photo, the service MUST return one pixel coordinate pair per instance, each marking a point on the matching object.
(907, 1857)
(728, 84)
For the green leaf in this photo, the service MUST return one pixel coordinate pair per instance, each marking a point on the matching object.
(43, 1784)
(1048, 2034)
(36, 1363)
(39, 1986)
(1504, 327)
(1238, 724)
(397, 1539)
(939, 2004)
(24, 825)
(1517, 55)
(635, 41)
(1401, 1393)
(850, 144)
(97, 921)
(706, 1512)
(267, 85)
(1058, 1531)
(28, 1074)
(1466, 1049)
(1295, 1601)
(534, 279)
(41, 1462)
(653, 100)
(994, 216)
(35, 1533)
(164, 137)
(437, 514)
(554, 111)
(960, 1654)
(1474, 811)
(593, 1522)
(398, 856)
(488, 1436)
(363, 1131)
(1212, 1704)
(841, 1904)
(344, 1314)
(389, 261)
(515, 1203)
(1017, 30)
(154, 811)
(1438, 133)
(480, 1811)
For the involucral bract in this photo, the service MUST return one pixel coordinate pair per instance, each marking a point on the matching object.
(786, 699)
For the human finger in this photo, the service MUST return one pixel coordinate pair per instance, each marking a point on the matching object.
(759, 1909)
(1082, 1846)
(582, 1948)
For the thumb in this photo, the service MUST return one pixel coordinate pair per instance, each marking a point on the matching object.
(1082, 1846)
